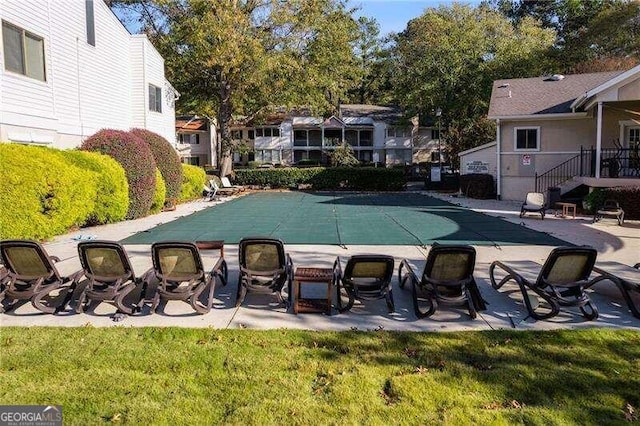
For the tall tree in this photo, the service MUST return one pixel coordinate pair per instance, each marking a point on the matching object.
(230, 57)
(448, 58)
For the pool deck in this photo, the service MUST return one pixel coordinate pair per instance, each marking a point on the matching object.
(505, 311)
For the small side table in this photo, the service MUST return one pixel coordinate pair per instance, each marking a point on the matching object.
(566, 209)
(211, 245)
(312, 276)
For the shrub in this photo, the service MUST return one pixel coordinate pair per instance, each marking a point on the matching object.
(594, 199)
(160, 193)
(41, 193)
(167, 160)
(353, 179)
(629, 199)
(112, 191)
(344, 156)
(136, 158)
(477, 185)
(194, 178)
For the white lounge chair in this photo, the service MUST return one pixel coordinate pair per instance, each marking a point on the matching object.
(534, 202)
(227, 184)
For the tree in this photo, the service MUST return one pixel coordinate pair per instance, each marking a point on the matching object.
(344, 156)
(449, 57)
(230, 57)
(605, 31)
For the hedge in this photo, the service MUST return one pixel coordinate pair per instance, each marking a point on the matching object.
(194, 179)
(167, 160)
(41, 193)
(136, 158)
(321, 178)
(629, 199)
(160, 193)
(477, 185)
(112, 191)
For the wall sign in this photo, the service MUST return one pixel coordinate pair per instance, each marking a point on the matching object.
(476, 167)
(526, 160)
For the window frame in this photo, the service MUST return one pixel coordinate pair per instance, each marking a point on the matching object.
(158, 99)
(23, 44)
(90, 22)
(515, 139)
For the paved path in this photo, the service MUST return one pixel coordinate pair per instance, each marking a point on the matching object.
(505, 311)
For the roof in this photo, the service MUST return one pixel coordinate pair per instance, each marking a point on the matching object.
(191, 122)
(530, 96)
(388, 114)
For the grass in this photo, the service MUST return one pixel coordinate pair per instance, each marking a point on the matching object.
(205, 376)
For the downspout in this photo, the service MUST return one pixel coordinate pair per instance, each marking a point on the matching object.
(498, 163)
(79, 86)
(145, 86)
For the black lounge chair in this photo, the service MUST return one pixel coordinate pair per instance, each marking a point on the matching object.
(365, 277)
(561, 281)
(447, 279)
(610, 208)
(264, 268)
(110, 276)
(625, 277)
(534, 203)
(32, 275)
(181, 276)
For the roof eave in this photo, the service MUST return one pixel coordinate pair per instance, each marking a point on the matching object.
(557, 116)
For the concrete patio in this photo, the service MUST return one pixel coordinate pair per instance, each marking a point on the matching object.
(505, 310)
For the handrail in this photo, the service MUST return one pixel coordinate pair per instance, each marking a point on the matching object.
(563, 172)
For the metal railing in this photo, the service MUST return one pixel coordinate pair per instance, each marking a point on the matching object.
(614, 163)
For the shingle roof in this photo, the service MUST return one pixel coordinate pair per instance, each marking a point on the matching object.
(191, 123)
(527, 96)
(389, 114)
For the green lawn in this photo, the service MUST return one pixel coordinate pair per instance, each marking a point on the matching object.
(206, 376)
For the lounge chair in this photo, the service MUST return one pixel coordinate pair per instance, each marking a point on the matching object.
(181, 276)
(365, 277)
(625, 277)
(32, 275)
(222, 191)
(535, 203)
(610, 208)
(110, 276)
(210, 193)
(561, 281)
(227, 184)
(447, 279)
(264, 268)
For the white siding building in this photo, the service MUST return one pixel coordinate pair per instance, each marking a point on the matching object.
(70, 68)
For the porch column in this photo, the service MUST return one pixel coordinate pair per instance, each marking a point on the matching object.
(599, 140)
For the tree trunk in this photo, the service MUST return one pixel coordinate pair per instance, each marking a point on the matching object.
(226, 163)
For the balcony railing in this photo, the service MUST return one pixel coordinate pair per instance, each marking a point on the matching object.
(614, 163)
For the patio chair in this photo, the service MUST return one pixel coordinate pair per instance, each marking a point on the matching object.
(610, 208)
(227, 184)
(181, 276)
(365, 277)
(626, 279)
(264, 268)
(31, 275)
(222, 191)
(447, 279)
(209, 193)
(535, 203)
(110, 276)
(561, 281)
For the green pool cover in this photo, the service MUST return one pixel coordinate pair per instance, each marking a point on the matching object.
(344, 219)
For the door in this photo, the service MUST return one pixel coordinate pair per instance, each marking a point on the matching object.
(633, 143)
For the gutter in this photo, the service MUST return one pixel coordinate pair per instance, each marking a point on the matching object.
(498, 163)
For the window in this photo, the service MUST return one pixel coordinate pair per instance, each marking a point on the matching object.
(194, 161)
(398, 132)
(251, 134)
(90, 20)
(23, 52)
(267, 155)
(155, 98)
(276, 132)
(366, 138)
(435, 157)
(435, 134)
(300, 138)
(527, 138)
(259, 132)
(186, 138)
(236, 134)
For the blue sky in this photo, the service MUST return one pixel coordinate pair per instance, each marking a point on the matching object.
(393, 15)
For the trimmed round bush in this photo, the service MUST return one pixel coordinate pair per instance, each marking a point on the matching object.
(194, 179)
(112, 191)
(160, 194)
(41, 193)
(167, 160)
(135, 156)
